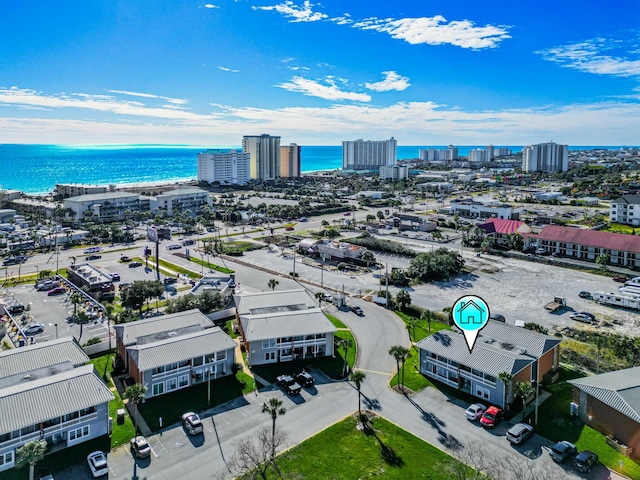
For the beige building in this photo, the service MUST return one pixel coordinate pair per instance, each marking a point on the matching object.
(290, 161)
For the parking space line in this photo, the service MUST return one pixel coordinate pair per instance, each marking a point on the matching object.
(163, 449)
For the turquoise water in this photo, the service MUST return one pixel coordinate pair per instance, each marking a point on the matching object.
(37, 168)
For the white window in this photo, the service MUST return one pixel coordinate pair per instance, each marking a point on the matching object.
(6, 459)
(183, 381)
(78, 433)
(270, 343)
(158, 388)
(172, 384)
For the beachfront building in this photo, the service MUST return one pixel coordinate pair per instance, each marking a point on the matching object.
(438, 154)
(290, 161)
(545, 157)
(33, 206)
(226, 166)
(368, 155)
(394, 172)
(106, 207)
(265, 156)
(47, 392)
(66, 190)
(192, 199)
(283, 326)
(173, 352)
(477, 155)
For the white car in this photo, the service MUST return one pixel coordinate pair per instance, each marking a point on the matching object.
(475, 411)
(98, 464)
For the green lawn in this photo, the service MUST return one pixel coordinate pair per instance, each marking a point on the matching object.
(330, 366)
(120, 434)
(168, 266)
(343, 452)
(197, 398)
(413, 379)
(621, 228)
(423, 329)
(336, 323)
(211, 266)
(555, 423)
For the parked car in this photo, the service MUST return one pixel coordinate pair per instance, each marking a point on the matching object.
(305, 379)
(587, 314)
(92, 250)
(289, 229)
(94, 257)
(125, 259)
(288, 384)
(15, 309)
(491, 417)
(585, 461)
(356, 309)
(540, 251)
(135, 264)
(562, 451)
(519, 433)
(46, 285)
(169, 280)
(98, 464)
(34, 329)
(347, 214)
(175, 246)
(581, 317)
(45, 476)
(140, 447)
(188, 242)
(192, 423)
(584, 294)
(497, 317)
(475, 411)
(56, 291)
(115, 277)
(620, 279)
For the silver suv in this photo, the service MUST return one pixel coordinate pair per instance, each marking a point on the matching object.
(519, 433)
(192, 423)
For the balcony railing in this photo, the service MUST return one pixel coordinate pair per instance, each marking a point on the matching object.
(49, 430)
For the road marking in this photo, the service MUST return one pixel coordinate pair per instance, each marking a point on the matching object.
(162, 449)
(373, 371)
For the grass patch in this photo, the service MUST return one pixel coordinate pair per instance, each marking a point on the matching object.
(228, 328)
(555, 423)
(330, 366)
(238, 247)
(336, 323)
(343, 452)
(211, 266)
(171, 268)
(620, 228)
(197, 398)
(422, 329)
(413, 379)
(120, 434)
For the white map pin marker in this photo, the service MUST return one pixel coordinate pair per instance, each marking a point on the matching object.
(471, 314)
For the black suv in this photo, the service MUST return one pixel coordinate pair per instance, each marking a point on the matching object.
(288, 384)
(15, 309)
(305, 379)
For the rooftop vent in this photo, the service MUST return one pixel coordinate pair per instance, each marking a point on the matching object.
(172, 334)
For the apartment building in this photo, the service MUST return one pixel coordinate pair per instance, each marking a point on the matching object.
(181, 200)
(545, 157)
(264, 153)
(107, 207)
(66, 190)
(394, 172)
(226, 166)
(625, 209)
(290, 160)
(368, 155)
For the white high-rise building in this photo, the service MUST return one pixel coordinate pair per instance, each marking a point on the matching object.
(224, 165)
(451, 153)
(394, 172)
(431, 154)
(477, 155)
(501, 152)
(265, 156)
(290, 161)
(489, 153)
(368, 155)
(545, 157)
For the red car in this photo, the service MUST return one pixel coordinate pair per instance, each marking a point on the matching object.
(491, 417)
(289, 229)
(56, 291)
(620, 279)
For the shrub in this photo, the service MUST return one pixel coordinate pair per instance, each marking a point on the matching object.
(92, 341)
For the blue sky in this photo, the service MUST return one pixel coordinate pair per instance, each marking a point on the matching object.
(427, 72)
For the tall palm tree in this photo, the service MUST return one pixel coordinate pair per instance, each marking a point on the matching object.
(357, 378)
(31, 452)
(400, 354)
(75, 299)
(523, 390)
(135, 393)
(274, 408)
(412, 323)
(273, 283)
(505, 378)
(345, 344)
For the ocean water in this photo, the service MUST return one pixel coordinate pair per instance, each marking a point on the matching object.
(37, 168)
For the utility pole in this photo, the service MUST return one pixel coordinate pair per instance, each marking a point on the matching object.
(294, 263)
(387, 282)
(157, 257)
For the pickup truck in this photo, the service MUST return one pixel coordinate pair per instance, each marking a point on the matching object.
(557, 304)
(288, 384)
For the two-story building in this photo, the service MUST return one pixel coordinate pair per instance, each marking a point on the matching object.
(283, 326)
(499, 229)
(500, 347)
(474, 209)
(47, 392)
(181, 200)
(174, 351)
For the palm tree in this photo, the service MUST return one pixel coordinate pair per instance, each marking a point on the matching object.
(523, 390)
(272, 283)
(400, 354)
(505, 378)
(31, 452)
(412, 323)
(426, 315)
(368, 257)
(75, 299)
(274, 408)
(345, 344)
(135, 393)
(319, 296)
(357, 378)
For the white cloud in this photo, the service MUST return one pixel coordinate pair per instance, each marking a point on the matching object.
(392, 81)
(225, 69)
(344, 19)
(177, 101)
(210, 5)
(302, 13)
(589, 56)
(437, 31)
(329, 90)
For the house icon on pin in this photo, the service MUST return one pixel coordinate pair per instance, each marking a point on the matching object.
(471, 313)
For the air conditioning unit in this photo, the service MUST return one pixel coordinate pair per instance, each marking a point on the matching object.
(573, 409)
